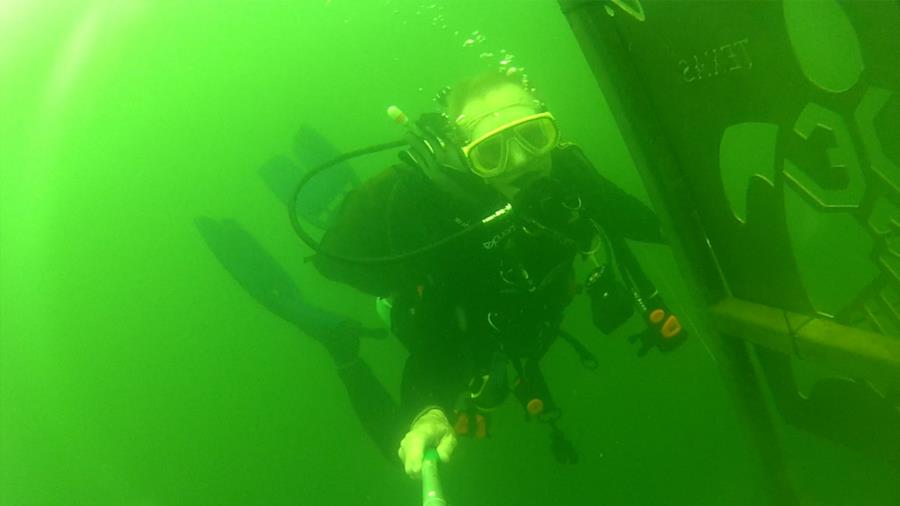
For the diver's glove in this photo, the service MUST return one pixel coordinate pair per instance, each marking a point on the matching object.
(433, 146)
(430, 429)
(435, 149)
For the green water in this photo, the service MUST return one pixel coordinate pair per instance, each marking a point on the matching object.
(135, 371)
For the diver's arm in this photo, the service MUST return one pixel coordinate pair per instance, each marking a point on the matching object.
(627, 216)
(430, 379)
(361, 230)
(427, 396)
(620, 213)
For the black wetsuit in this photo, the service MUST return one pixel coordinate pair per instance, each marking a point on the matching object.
(502, 288)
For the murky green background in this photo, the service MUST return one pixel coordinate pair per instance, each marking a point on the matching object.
(135, 371)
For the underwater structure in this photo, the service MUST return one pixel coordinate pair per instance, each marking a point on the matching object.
(766, 133)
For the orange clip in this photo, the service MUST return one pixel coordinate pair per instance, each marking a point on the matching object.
(535, 406)
(671, 328)
(480, 426)
(462, 424)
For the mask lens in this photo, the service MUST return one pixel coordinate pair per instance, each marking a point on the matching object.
(537, 135)
(487, 156)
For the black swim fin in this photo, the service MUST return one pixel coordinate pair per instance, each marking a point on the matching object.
(319, 199)
(265, 280)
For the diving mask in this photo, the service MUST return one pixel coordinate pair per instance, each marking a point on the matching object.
(488, 155)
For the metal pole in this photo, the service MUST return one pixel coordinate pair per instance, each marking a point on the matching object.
(432, 495)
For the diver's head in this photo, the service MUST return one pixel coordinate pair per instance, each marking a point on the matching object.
(507, 135)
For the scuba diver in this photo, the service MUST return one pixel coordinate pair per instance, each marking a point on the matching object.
(469, 244)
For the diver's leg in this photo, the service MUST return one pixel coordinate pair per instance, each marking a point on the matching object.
(267, 282)
(373, 405)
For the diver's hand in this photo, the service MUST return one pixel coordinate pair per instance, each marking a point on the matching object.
(431, 429)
